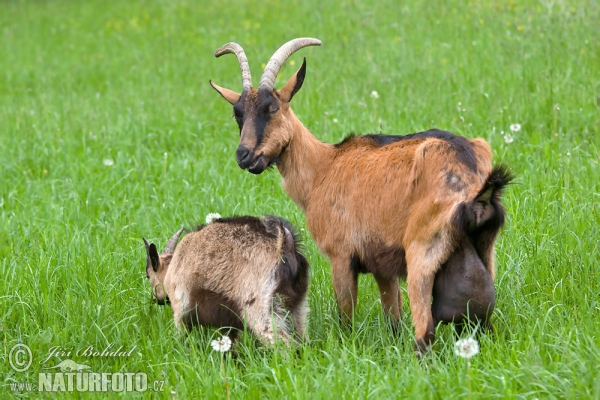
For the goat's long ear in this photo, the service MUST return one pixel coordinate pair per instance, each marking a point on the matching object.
(229, 95)
(152, 255)
(294, 84)
(154, 259)
(290, 252)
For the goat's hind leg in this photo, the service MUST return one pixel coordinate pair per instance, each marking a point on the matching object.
(422, 262)
(420, 285)
(270, 324)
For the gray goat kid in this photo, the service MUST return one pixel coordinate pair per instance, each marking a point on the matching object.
(235, 272)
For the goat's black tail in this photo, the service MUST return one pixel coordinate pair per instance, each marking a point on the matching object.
(500, 176)
(485, 211)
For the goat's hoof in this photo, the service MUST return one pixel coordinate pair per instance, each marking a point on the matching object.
(420, 350)
(423, 345)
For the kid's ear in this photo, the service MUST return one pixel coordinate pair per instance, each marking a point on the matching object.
(152, 258)
(290, 252)
(294, 84)
(229, 95)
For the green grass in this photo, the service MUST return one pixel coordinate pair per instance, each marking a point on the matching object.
(86, 81)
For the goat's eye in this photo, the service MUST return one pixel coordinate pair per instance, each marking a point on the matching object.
(270, 108)
(238, 112)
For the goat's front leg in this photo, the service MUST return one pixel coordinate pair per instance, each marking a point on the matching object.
(391, 298)
(178, 314)
(345, 280)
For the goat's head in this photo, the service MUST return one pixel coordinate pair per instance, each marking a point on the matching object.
(157, 265)
(263, 115)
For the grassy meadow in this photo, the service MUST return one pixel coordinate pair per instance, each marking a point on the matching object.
(110, 131)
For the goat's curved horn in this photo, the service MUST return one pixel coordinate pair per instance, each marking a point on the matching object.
(234, 48)
(172, 243)
(274, 65)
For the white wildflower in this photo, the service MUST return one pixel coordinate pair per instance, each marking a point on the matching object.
(335, 120)
(212, 217)
(374, 94)
(515, 127)
(508, 138)
(222, 345)
(466, 348)
(108, 162)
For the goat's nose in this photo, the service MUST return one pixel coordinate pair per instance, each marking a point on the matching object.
(242, 155)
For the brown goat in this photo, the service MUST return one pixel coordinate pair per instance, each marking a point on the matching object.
(234, 272)
(392, 206)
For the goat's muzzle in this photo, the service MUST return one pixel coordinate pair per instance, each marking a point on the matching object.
(249, 160)
(161, 301)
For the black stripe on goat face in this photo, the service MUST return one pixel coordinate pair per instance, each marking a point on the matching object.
(253, 113)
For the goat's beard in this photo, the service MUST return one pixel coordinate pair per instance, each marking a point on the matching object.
(274, 161)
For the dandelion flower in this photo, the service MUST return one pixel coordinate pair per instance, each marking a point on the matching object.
(508, 138)
(466, 348)
(222, 345)
(515, 127)
(212, 217)
(374, 94)
(108, 162)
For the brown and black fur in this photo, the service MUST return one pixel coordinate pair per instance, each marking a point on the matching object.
(463, 290)
(385, 205)
(236, 272)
